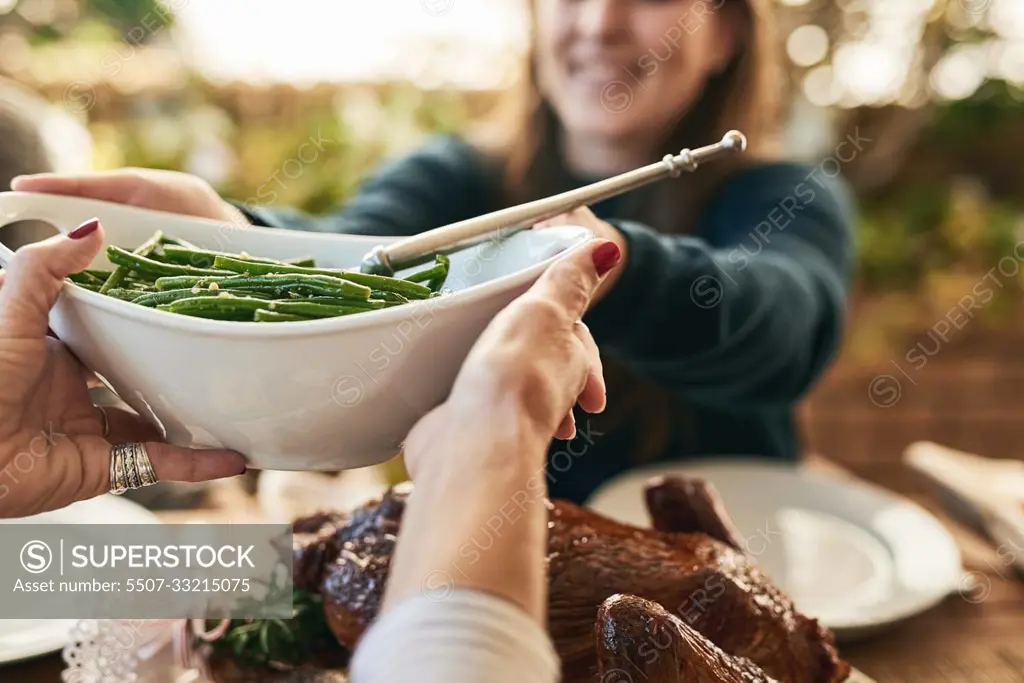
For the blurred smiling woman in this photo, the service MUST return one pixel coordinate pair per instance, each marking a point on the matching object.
(729, 300)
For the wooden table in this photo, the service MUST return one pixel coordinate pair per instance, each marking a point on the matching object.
(974, 639)
(960, 641)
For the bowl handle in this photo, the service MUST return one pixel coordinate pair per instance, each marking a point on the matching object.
(32, 206)
(6, 256)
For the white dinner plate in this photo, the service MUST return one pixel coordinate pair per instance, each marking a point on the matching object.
(852, 555)
(22, 639)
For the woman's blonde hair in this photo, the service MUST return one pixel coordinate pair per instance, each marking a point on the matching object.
(745, 96)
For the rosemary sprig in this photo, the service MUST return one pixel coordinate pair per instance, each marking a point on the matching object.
(279, 642)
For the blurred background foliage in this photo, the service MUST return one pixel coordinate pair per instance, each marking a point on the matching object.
(936, 85)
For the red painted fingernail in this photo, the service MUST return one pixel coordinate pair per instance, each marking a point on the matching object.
(606, 257)
(86, 228)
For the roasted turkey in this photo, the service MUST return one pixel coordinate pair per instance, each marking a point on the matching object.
(681, 601)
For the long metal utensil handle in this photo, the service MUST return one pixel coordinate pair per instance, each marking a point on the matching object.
(421, 248)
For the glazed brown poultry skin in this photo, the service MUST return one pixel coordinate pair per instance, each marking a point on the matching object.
(639, 639)
(690, 565)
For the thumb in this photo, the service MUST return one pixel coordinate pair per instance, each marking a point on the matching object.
(572, 280)
(36, 275)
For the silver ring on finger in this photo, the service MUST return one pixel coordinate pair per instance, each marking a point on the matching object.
(130, 468)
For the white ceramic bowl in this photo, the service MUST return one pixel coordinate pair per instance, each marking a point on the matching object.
(327, 394)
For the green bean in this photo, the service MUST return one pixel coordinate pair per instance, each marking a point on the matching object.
(434, 276)
(122, 268)
(252, 293)
(265, 316)
(159, 298)
(307, 285)
(234, 282)
(203, 258)
(98, 273)
(437, 282)
(304, 290)
(135, 278)
(84, 278)
(408, 289)
(390, 297)
(216, 307)
(325, 284)
(185, 281)
(145, 265)
(199, 258)
(178, 242)
(232, 279)
(123, 294)
(425, 274)
(368, 305)
(309, 291)
(156, 298)
(271, 291)
(311, 309)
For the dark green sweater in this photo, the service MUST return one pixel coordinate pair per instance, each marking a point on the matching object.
(738, 320)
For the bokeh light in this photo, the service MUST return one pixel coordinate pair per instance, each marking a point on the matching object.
(807, 45)
(869, 72)
(959, 73)
(1010, 63)
(1007, 18)
(820, 87)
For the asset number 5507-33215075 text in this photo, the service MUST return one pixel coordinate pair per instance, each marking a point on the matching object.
(187, 585)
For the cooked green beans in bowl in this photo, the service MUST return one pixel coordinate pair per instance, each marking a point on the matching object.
(172, 275)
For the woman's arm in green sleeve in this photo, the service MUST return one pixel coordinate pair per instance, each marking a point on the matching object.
(748, 312)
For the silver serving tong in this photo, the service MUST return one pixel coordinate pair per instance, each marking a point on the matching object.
(421, 248)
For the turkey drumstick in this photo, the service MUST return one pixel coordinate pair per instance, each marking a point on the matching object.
(638, 640)
(690, 505)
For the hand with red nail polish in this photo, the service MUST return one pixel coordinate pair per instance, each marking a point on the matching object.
(585, 218)
(54, 443)
(534, 362)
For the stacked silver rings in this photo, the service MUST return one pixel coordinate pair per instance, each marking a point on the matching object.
(130, 468)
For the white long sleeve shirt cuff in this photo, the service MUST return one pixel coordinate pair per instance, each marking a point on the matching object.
(470, 637)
